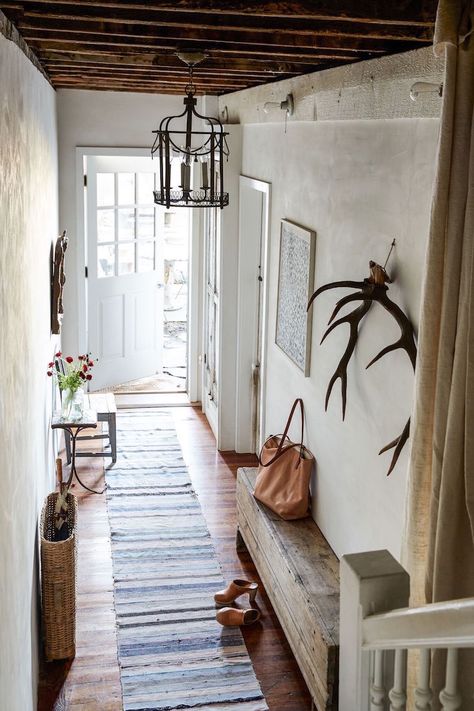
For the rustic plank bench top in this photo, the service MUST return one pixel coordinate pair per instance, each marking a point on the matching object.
(100, 402)
(301, 575)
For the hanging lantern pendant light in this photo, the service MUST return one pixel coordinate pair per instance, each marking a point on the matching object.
(209, 147)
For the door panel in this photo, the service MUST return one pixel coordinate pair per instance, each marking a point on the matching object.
(111, 328)
(252, 313)
(125, 269)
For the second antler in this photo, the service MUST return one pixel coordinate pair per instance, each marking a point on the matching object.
(371, 289)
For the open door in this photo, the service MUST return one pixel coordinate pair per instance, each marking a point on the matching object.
(125, 269)
(254, 223)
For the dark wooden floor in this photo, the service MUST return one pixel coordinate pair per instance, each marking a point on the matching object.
(92, 681)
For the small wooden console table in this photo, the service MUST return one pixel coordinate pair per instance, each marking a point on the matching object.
(89, 420)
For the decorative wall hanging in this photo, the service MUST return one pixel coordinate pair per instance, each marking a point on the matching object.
(206, 145)
(295, 283)
(371, 289)
(57, 283)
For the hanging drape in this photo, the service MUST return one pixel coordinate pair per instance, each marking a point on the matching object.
(439, 540)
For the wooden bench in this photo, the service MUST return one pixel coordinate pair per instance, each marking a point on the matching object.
(104, 405)
(300, 573)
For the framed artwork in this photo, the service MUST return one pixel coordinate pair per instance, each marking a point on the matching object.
(295, 286)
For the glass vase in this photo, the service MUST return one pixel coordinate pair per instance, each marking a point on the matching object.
(72, 407)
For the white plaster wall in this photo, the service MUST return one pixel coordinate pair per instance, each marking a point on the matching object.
(358, 184)
(373, 89)
(28, 225)
(102, 119)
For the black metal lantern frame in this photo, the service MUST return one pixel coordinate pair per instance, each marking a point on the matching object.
(210, 152)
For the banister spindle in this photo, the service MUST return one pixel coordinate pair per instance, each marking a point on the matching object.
(423, 693)
(397, 694)
(450, 697)
(377, 691)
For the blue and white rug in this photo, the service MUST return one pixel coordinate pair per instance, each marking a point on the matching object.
(172, 652)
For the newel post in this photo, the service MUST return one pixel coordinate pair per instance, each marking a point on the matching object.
(371, 583)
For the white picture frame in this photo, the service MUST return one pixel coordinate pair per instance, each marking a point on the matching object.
(295, 287)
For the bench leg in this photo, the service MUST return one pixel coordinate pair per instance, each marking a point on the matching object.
(113, 436)
(240, 543)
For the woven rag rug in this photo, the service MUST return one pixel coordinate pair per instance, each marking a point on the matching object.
(172, 652)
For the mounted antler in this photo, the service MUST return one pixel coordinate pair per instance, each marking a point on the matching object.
(371, 289)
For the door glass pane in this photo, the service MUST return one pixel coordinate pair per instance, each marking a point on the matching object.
(126, 224)
(126, 258)
(105, 261)
(145, 222)
(126, 188)
(105, 225)
(145, 256)
(145, 186)
(105, 189)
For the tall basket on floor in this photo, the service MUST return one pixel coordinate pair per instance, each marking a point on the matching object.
(58, 582)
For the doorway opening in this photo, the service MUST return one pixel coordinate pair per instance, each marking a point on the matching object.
(137, 271)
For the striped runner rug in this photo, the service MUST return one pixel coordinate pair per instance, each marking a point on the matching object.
(172, 652)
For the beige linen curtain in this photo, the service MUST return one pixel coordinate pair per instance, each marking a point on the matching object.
(439, 539)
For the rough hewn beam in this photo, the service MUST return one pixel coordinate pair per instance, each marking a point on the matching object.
(151, 70)
(120, 85)
(402, 12)
(181, 35)
(173, 81)
(106, 86)
(8, 30)
(244, 24)
(43, 39)
(171, 61)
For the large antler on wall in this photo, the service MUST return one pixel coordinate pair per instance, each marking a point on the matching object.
(372, 289)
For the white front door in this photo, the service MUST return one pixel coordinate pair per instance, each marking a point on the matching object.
(124, 268)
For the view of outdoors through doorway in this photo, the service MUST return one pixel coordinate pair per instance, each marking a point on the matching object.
(173, 372)
(138, 257)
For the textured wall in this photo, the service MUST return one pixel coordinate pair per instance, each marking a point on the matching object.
(28, 224)
(358, 184)
(374, 89)
(356, 164)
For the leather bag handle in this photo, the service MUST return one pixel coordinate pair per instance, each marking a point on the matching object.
(281, 449)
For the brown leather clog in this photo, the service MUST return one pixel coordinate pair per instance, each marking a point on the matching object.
(232, 617)
(235, 589)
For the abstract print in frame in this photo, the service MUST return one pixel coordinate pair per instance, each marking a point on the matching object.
(295, 286)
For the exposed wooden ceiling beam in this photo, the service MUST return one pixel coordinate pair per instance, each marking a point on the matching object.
(125, 44)
(171, 61)
(402, 12)
(44, 39)
(181, 36)
(152, 70)
(106, 86)
(69, 10)
(119, 84)
(155, 74)
(152, 79)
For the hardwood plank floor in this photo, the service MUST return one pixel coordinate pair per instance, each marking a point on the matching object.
(92, 681)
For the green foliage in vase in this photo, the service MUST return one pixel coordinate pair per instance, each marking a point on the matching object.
(72, 374)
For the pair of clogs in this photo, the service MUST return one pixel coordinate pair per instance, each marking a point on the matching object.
(233, 616)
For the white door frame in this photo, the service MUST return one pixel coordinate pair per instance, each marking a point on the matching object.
(248, 296)
(193, 325)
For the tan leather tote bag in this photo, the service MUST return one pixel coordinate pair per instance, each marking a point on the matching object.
(284, 473)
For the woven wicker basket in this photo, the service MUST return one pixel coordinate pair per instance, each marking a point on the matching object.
(58, 582)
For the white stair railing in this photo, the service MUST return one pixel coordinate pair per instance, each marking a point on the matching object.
(378, 629)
